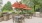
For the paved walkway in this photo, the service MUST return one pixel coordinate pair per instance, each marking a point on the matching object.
(33, 20)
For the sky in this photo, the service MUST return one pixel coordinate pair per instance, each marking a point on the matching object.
(12, 1)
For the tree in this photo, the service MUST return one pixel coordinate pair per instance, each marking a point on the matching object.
(7, 7)
(34, 4)
(40, 1)
(30, 4)
(38, 5)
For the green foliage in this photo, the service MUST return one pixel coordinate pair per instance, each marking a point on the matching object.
(40, 1)
(34, 4)
(28, 2)
(7, 7)
(38, 6)
(16, 11)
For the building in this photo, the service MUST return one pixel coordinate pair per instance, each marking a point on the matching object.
(0, 5)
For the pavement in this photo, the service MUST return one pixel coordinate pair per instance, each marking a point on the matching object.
(33, 20)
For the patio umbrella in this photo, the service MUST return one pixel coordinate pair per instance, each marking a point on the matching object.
(21, 6)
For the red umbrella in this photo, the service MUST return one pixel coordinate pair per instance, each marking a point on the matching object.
(20, 6)
(16, 5)
(27, 8)
(23, 6)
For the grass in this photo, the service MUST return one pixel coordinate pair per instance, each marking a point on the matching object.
(8, 11)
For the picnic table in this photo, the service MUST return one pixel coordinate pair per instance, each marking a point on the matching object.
(18, 19)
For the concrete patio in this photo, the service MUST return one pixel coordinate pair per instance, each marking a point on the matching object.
(33, 20)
